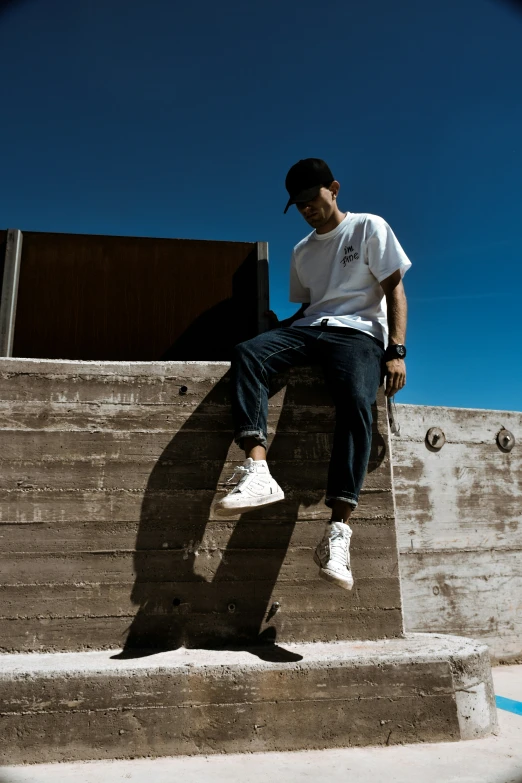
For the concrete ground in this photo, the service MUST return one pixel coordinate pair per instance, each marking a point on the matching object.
(496, 759)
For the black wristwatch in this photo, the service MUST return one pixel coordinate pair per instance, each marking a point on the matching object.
(396, 351)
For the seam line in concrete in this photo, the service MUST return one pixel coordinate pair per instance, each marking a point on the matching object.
(452, 551)
(137, 708)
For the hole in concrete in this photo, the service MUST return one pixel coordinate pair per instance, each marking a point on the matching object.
(176, 602)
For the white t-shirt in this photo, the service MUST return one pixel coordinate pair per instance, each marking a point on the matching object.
(340, 272)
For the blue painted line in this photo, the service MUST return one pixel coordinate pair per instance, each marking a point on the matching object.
(509, 705)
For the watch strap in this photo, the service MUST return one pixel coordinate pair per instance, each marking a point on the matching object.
(395, 351)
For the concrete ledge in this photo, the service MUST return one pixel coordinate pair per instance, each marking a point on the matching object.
(71, 706)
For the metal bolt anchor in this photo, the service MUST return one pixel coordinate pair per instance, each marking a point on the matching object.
(276, 606)
(505, 440)
(435, 438)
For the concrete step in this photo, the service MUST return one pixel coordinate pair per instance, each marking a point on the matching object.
(94, 705)
(493, 759)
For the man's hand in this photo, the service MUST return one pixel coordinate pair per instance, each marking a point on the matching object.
(273, 320)
(395, 376)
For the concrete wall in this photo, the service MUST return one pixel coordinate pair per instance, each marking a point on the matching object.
(107, 482)
(459, 513)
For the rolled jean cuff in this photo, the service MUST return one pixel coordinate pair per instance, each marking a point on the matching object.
(240, 435)
(348, 498)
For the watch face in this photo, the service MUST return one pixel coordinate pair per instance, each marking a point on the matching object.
(401, 351)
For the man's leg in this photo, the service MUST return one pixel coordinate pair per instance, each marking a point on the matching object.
(254, 363)
(352, 368)
(341, 510)
(253, 449)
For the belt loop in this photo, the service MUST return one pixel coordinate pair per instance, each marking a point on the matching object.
(324, 322)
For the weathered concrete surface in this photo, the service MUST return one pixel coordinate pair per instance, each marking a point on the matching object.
(107, 484)
(493, 759)
(459, 516)
(89, 705)
(109, 474)
(108, 477)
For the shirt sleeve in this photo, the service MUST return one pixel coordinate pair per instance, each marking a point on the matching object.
(298, 293)
(384, 253)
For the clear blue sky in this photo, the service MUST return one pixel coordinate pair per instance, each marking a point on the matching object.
(164, 118)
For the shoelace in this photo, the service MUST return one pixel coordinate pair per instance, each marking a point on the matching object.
(339, 547)
(242, 472)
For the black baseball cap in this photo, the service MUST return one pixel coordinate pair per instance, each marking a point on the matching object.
(306, 178)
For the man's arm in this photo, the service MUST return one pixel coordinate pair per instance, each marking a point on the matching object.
(397, 315)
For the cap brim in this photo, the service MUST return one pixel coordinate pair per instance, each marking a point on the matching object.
(304, 195)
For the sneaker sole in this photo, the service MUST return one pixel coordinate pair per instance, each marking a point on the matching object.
(329, 576)
(256, 503)
(335, 579)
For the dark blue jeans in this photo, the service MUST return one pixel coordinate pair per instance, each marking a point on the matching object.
(351, 363)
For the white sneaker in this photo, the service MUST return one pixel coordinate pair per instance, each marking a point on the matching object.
(333, 555)
(255, 488)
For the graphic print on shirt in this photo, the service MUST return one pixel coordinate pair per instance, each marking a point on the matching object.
(349, 255)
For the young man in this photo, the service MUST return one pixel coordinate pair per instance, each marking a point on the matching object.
(348, 276)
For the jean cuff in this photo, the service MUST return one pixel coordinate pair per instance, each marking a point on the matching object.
(240, 435)
(348, 498)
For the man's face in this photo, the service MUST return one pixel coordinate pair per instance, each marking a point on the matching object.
(320, 209)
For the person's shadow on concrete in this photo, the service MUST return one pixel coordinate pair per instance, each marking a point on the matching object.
(203, 581)
(193, 578)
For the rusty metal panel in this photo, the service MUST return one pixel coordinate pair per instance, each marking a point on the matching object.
(132, 298)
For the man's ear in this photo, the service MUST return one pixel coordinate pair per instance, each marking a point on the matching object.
(334, 188)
